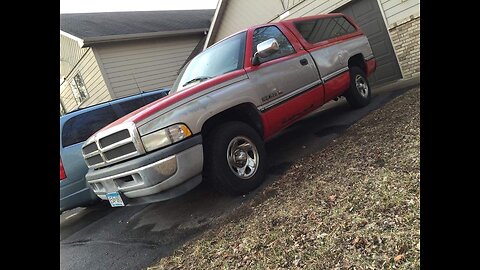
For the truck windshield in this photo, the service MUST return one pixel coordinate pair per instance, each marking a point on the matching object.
(219, 59)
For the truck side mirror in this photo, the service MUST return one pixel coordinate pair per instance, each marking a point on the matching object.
(265, 49)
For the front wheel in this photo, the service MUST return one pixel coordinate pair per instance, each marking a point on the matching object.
(235, 158)
(359, 93)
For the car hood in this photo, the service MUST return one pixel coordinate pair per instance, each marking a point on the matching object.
(172, 100)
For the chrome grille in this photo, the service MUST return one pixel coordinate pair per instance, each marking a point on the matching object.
(90, 148)
(112, 145)
(115, 137)
(120, 151)
(94, 160)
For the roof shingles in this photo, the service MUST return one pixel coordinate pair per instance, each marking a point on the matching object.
(96, 25)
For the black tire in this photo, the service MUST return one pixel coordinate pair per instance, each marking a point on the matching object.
(357, 96)
(217, 170)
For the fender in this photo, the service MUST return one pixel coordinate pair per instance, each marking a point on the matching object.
(199, 109)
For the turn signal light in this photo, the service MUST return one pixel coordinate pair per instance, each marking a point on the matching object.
(62, 171)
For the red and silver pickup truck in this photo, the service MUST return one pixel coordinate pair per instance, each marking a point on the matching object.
(225, 103)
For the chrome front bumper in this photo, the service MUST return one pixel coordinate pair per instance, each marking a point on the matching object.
(150, 174)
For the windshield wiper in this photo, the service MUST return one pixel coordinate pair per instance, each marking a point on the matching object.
(199, 79)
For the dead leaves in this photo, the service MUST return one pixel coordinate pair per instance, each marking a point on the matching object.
(359, 242)
(354, 205)
(398, 258)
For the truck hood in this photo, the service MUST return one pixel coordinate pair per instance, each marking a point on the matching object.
(172, 99)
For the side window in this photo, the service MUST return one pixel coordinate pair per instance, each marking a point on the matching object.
(125, 107)
(79, 128)
(151, 98)
(317, 30)
(264, 33)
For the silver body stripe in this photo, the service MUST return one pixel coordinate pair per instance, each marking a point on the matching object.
(289, 77)
(335, 73)
(335, 57)
(369, 57)
(289, 95)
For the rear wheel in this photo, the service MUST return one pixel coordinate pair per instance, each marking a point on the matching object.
(359, 93)
(235, 158)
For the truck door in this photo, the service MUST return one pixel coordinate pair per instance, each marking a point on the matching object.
(287, 82)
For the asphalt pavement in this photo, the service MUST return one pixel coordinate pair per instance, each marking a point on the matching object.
(101, 237)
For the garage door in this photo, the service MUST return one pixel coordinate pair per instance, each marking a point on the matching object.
(366, 14)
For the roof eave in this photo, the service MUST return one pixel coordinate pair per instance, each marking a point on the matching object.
(87, 42)
(77, 39)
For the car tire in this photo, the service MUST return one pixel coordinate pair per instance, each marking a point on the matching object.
(359, 93)
(235, 158)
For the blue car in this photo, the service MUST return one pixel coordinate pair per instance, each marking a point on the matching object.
(75, 128)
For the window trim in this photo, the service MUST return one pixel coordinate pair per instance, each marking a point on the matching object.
(286, 37)
(332, 18)
(323, 44)
(73, 81)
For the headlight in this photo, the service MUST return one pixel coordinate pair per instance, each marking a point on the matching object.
(166, 136)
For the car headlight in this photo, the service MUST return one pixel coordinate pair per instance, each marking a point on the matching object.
(166, 136)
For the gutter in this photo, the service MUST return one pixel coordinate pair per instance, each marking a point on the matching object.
(77, 39)
(217, 17)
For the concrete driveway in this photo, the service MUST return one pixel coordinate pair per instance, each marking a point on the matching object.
(134, 237)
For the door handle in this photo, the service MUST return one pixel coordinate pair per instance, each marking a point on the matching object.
(303, 61)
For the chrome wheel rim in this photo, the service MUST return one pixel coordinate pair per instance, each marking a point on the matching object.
(361, 85)
(242, 157)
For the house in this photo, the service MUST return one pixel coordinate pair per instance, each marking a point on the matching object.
(109, 55)
(392, 26)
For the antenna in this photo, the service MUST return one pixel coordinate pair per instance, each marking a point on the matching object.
(135, 79)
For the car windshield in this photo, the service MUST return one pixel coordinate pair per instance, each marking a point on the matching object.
(223, 57)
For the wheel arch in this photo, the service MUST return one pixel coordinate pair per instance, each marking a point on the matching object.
(244, 112)
(359, 61)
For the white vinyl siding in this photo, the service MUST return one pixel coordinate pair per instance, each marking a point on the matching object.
(314, 7)
(70, 54)
(239, 15)
(144, 65)
(66, 95)
(394, 10)
(94, 83)
(397, 11)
